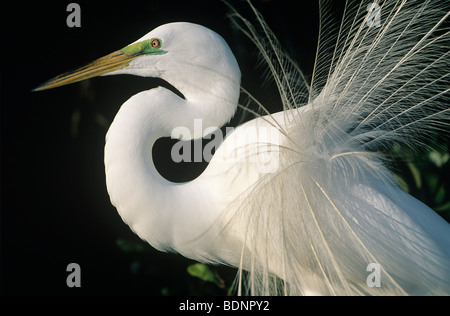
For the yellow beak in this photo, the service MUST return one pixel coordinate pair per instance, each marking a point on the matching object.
(114, 61)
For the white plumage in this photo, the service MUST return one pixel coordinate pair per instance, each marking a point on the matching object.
(308, 203)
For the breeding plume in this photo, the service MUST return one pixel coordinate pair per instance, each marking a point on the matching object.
(301, 201)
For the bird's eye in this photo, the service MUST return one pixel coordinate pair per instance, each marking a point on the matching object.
(155, 43)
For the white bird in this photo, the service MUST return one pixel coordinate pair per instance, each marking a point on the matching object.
(301, 199)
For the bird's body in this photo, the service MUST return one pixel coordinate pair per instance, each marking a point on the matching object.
(209, 195)
(302, 195)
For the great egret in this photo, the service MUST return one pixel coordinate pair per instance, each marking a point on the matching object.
(304, 203)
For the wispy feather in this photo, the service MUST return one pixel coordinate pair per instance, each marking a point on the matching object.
(333, 207)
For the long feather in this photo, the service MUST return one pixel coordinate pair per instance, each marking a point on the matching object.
(333, 208)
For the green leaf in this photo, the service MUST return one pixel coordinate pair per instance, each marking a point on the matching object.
(439, 158)
(416, 174)
(440, 196)
(203, 272)
(443, 208)
(402, 183)
(128, 245)
(432, 182)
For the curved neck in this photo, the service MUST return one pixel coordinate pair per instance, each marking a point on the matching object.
(156, 209)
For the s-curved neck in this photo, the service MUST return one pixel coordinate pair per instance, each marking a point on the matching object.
(155, 208)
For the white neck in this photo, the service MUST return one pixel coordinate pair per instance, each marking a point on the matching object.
(208, 76)
(145, 200)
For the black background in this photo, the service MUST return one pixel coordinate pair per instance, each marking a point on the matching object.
(54, 205)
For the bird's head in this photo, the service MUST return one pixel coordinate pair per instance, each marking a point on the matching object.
(191, 57)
